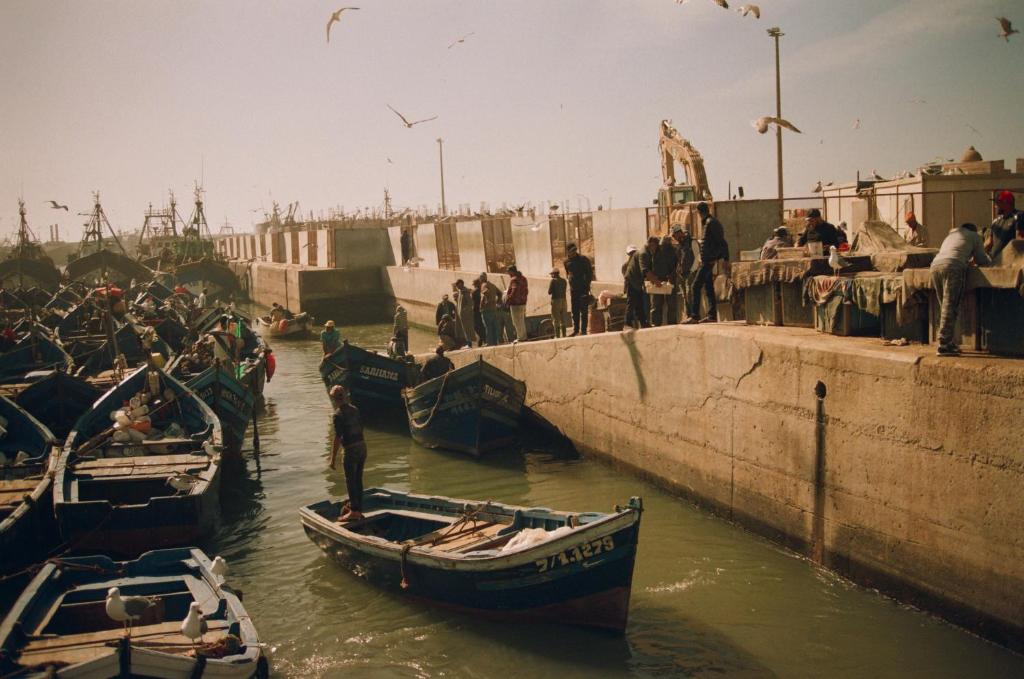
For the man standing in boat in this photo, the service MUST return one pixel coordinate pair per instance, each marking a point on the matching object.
(348, 434)
(330, 339)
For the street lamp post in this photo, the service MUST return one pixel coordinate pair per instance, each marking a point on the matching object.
(440, 152)
(776, 33)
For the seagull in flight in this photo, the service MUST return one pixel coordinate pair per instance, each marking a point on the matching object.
(460, 40)
(721, 3)
(335, 18)
(856, 124)
(1007, 28)
(57, 206)
(406, 122)
(744, 10)
(762, 123)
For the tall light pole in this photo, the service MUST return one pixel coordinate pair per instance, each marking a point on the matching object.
(440, 152)
(776, 33)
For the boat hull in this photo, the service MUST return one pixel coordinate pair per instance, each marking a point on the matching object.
(294, 328)
(230, 399)
(372, 380)
(479, 410)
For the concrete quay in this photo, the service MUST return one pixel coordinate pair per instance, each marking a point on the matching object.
(914, 486)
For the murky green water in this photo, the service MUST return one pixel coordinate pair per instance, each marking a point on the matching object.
(708, 598)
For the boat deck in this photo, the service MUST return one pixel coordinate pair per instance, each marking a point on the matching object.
(138, 467)
(13, 492)
(454, 536)
(165, 637)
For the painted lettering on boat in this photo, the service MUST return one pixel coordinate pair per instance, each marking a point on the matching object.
(383, 374)
(495, 394)
(206, 395)
(333, 376)
(576, 554)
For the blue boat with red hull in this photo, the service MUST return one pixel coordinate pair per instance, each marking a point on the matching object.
(372, 379)
(473, 409)
(489, 559)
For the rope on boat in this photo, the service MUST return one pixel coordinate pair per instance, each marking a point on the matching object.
(467, 516)
(433, 410)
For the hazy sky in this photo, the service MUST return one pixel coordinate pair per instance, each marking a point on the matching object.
(549, 100)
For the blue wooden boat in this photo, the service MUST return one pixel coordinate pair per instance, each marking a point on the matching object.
(34, 351)
(115, 496)
(129, 342)
(372, 379)
(57, 399)
(26, 484)
(58, 627)
(229, 397)
(472, 409)
(489, 559)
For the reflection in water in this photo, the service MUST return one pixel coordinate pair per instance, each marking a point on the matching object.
(708, 599)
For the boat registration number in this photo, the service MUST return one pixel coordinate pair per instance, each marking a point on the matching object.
(576, 554)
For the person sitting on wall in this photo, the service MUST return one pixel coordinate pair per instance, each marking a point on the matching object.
(1008, 224)
(949, 279)
(818, 230)
(436, 365)
(780, 239)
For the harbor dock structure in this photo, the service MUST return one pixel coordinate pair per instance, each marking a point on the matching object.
(904, 474)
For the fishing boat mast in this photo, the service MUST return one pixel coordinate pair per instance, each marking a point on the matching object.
(94, 230)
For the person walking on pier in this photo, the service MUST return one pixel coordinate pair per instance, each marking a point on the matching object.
(348, 434)
(713, 248)
(400, 331)
(330, 339)
(490, 301)
(1007, 225)
(949, 277)
(515, 299)
(556, 290)
(464, 312)
(580, 274)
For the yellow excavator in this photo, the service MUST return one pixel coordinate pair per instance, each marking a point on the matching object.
(673, 194)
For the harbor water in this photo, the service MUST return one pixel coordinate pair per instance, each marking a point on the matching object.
(709, 599)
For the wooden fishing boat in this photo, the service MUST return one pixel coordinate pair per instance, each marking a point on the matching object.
(285, 328)
(26, 484)
(372, 379)
(55, 398)
(228, 396)
(131, 342)
(472, 409)
(36, 350)
(58, 627)
(489, 559)
(115, 495)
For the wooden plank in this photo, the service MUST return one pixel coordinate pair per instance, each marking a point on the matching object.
(146, 632)
(477, 534)
(148, 460)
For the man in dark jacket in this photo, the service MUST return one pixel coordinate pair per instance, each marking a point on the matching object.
(444, 308)
(348, 434)
(436, 365)
(818, 230)
(664, 263)
(712, 249)
(556, 290)
(684, 272)
(633, 281)
(580, 273)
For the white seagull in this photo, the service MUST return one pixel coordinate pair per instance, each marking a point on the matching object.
(744, 10)
(194, 625)
(335, 18)
(406, 122)
(460, 40)
(182, 482)
(836, 261)
(856, 124)
(762, 123)
(724, 4)
(219, 566)
(127, 609)
(1007, 28)
(57, 206)
(877, 177)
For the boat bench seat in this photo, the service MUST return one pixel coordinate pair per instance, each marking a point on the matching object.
(12, 492)
(153, 465)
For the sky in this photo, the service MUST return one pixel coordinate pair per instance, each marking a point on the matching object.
(547, 100)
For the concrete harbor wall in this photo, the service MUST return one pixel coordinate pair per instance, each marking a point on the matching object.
(917, 486)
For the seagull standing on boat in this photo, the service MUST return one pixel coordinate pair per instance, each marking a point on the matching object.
(336, 17)
(182, 482)
(194, 625)
(127, 609)
(219, 567)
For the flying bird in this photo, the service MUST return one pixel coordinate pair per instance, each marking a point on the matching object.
(974, 129)
(762, 123)
(57, 206)
(335, 18)
(460, 40)
(1007, 28)
(406, 122)
(744, 10)
(856, 124)
(721, 3)
(836, 261)
(194, 625)
(127, 609)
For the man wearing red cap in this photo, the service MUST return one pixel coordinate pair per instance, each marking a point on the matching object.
(1007, 225)
(914, 235)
